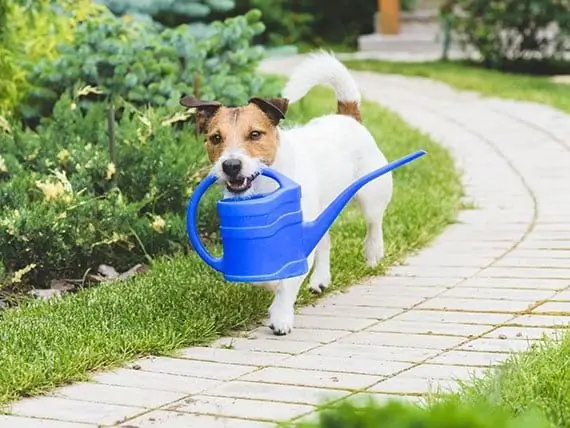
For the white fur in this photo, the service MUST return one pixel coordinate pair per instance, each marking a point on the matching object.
(322, 68)
(324, 157)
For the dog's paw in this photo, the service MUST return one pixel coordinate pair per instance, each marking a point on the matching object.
(281, 321)
(319, 283)
(374, 255)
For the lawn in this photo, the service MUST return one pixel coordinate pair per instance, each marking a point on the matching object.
(182, 302)
(468, 77)
(538, 379)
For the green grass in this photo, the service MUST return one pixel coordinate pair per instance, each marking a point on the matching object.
(183, 302)
(398, 414)
(538, 379)
(468, 77)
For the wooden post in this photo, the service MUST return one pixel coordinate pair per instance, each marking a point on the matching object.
(389, 11)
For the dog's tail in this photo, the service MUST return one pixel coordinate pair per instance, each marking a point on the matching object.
(323, 68)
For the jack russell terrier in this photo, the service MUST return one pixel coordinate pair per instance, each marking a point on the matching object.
(324, 157)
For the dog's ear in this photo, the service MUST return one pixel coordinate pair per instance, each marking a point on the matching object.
(274, 108)
(205, 110)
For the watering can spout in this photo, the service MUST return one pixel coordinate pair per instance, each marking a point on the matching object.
(314, 230)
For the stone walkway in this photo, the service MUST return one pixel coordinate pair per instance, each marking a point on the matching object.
(490, 284)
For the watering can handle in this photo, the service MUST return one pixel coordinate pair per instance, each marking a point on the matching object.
(191, 220)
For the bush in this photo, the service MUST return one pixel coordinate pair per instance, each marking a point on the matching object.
(395, 414)
(515, 35)
(314, 22)
(172, 12)
(29, 32)
(62, 214)
(144, 65)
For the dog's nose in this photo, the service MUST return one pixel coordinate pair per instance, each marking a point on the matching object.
(231, 167)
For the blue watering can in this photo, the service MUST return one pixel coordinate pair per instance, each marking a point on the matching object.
(264, 238)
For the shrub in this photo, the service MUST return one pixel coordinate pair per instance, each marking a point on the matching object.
(137, 61)
(61, 212)
(314, 22)
(399, 415)
(32, 31)
(517, 35)
(171, 12)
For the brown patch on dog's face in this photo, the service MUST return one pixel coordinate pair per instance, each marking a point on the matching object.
(247, 129)
(239, 140)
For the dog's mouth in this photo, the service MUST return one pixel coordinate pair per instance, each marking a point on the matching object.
(240, 183)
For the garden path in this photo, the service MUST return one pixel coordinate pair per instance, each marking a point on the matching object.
(492, 283)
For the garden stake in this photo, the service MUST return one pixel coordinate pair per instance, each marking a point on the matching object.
(111, 132)
(197, 95)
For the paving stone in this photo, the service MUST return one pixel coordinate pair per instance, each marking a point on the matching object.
(389, 290)
(462, 232)
(541, 321)
(73, 411)
(303, 335)
(370, 312)
(332, 323)
(498, 293)
(534, 262)
(380, 302)
(437, 272)
(444, 372)
(418, 281)
(382, 353)
(278, 393)
(284, 346)
(202, 369)
(402, 340)
(562, 296)
(344, 365)
(523, 272)
(522, 333)
(119, 395)
(403, 384)
(312, 378)
(9, 421)
(155, 381)
(470, 358)
(496, 345)
(431, 328)
(232, 356)
(161, 418)
(465, 247)
(538, 254)
(453, 317)
(477, 305)
(444, 260)
(554, 308)
(532, 283)
(240, 408)
(545, 245)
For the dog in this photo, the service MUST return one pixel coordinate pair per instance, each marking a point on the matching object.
(324, 156)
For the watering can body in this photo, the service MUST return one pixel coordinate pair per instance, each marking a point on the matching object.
(264, 238)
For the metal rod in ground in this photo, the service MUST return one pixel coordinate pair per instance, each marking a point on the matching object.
(111, 134)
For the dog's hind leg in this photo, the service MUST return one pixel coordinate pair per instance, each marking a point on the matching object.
(373, 200)
(321, 276)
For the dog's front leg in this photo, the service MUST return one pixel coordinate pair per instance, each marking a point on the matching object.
(282, 310)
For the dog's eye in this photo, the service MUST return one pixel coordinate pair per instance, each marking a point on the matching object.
(216, 139)
(255, 135)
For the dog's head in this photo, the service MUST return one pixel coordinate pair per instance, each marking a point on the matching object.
(239, 140)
